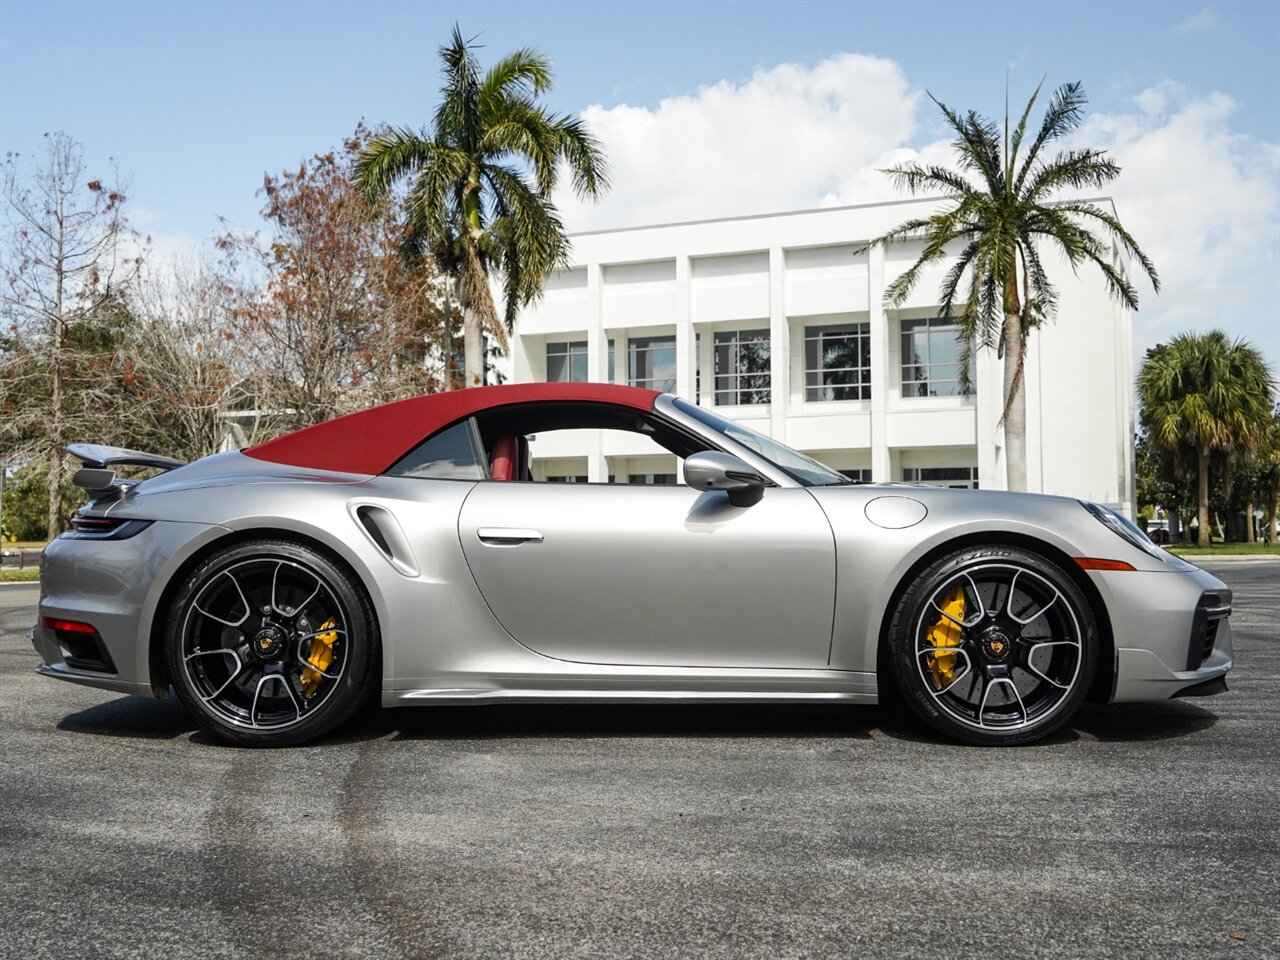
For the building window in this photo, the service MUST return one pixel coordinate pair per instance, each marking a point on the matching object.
(742, 367)
(931, 359)
(567, 362)
(577, 478)
(858, 476)
(961, 478)
(652, 479)
(651, 363)
(837, 362)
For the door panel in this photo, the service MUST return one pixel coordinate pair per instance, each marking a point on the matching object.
(656, 575)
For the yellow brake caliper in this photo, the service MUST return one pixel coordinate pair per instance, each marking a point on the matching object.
(946, 632)
(320, 657)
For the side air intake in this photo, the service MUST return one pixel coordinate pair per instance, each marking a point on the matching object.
(383, 531)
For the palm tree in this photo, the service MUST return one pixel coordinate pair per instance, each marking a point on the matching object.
(999, 211)
(479, 200)
(1204, 395)
(1269, 481)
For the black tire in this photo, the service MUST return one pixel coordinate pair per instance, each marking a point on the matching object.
(269, 643)
(993, 645)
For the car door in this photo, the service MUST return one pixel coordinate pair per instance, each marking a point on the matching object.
(654, 575)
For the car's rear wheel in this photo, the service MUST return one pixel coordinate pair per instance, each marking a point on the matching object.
(270, 644)
(993, 645)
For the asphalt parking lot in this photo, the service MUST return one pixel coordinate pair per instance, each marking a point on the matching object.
(718, 831)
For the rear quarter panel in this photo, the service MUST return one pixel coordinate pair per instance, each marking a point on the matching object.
(420, 616)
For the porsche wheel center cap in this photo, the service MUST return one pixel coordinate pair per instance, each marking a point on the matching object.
(996, 646)
(268, 642)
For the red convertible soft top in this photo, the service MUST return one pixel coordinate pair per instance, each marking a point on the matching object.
(370, 441)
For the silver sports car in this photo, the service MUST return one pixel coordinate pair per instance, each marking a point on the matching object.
(405, 550)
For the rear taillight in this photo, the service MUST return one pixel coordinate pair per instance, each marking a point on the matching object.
(87, 527)
(94, 524)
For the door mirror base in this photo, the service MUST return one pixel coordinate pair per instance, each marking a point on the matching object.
(713, 470)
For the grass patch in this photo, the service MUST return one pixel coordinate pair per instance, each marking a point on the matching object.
(1227, 550)
(29, 575)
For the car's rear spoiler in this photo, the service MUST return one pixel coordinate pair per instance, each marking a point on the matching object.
(97, 477)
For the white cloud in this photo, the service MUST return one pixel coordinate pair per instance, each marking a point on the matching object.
(788, 138)
(1204, 202)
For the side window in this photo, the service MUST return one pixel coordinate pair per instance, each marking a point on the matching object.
(452, 454)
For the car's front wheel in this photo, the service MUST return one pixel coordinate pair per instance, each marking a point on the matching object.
(993, 645)
(270, 644)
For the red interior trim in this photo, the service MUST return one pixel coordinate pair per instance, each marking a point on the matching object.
(371, 441)
(504, 459)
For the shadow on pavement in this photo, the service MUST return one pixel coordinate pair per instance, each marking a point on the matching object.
(1135, 722)
(596, 721)
(133, 717)
(138, 717)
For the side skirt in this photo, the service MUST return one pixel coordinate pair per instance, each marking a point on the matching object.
(644, 685)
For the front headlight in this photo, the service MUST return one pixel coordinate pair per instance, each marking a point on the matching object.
(1124, 528)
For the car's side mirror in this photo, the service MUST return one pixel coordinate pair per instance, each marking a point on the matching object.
(713, 470)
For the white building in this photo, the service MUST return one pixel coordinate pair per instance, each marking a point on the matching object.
(778, 322)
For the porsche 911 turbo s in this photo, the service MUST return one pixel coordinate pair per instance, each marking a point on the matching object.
(405, 551)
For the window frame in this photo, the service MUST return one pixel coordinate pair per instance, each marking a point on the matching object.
(909, 387)
(950, 483)
(569, 354)
(733, 340)
(650, 383)
(816, 333)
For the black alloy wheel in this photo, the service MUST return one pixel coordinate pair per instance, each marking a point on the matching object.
(993, 646)
(270, 644)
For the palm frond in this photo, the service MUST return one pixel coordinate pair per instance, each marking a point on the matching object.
(523, 74)
(585, 157)
(522, 129)
(1064, 113)
(454, 121)
(1011, 158)
(916, 179)
(1090, 211)
(388, 156)
(977, 145)
(1076, 169)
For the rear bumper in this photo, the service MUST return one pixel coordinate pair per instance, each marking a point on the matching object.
(55, 666)
(1172, 632)
(114, 586)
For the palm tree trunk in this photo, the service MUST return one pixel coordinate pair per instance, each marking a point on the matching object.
(473, 349)
(1015, 406)
(447, 343)
(1202, 535)
(1271, 519)
(1248, 523)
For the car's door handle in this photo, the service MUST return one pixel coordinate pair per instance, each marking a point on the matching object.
(507, 536)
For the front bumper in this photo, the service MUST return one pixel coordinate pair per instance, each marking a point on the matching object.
(115, 586)
(1172, 632)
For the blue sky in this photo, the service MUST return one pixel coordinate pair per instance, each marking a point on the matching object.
(709, 108)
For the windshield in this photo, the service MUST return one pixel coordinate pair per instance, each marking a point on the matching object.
(796, 465)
